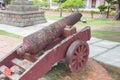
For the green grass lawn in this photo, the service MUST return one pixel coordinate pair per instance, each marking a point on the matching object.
(101, 22)
(90, 22)
(10, 34)
(53, 16)
(107, 35)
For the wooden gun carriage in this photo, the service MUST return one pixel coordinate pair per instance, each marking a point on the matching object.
(42, 49)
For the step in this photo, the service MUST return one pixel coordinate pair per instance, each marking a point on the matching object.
(25, 64)
(12, 76)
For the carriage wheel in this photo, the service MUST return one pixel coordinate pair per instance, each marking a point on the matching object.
(77, 55)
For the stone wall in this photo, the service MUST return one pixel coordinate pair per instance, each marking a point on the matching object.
(22, 19)
(22, 13)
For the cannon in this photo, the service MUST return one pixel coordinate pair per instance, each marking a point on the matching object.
(40, 39)
(41, 50)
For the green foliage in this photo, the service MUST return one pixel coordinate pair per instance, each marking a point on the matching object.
(36, 2)
(53, 16)
(109, 1)
(58, 1)
(115, 1)
(92, 11)
(73, 4)
(62, 1)
(108, 8)
(9, 1)
(41, 3)
(102, 7)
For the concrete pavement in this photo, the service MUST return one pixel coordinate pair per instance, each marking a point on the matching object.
(23, 31)
(101, 50)
(105, 51)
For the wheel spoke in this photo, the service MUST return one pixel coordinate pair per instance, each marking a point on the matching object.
(73, 63)
(82, 47)
(79, 49)
(84, 60)
(80, 64)
(74, 57)
(77, 66)
(76, 52)
(84, 50)
(85, 55)
(73, 60)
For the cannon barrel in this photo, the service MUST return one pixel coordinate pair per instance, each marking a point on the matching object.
(37, 41)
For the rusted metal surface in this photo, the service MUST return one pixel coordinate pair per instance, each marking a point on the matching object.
(40, 39)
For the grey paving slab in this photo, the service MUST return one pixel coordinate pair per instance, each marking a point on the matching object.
(117, 64)
(111, 57)
(107, 44)
(23, 31)
(94, 40)
(95, 50)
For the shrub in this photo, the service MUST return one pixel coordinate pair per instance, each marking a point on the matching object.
(41, 3)
(102, 7)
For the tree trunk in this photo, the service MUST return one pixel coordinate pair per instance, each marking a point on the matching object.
(117, 16)
(108, 10)
(60, 9)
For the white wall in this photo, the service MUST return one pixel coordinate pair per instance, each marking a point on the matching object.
(88, 3)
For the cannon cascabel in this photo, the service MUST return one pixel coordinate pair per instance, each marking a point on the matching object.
(35, 42)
